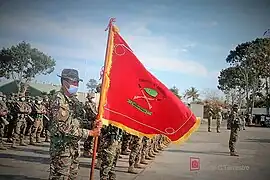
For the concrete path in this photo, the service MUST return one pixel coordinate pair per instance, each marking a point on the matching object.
(210, 149)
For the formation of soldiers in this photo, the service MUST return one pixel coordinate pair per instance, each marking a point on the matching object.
(23, 117)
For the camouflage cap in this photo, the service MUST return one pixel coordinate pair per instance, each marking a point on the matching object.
(71, 74)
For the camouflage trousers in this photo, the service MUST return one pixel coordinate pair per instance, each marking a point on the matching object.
(218, 124)
(109, 156)
(20, 128)
(233, 138)
(209, 123)
(65, 165)
(126, 141)
(145, 147)
(2, 131)
(135, 154)
(45, 131)
(36, 130)
(88, 144)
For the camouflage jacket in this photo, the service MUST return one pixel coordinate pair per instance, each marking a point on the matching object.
(64, 127)
(112, 133)
(234, 119)
(39, 110)
(3, 108)
(91, 111)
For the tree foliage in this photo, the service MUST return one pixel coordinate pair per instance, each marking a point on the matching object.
(192, 94)
(175, 91)
(92, 85)
(23, 63)
(249, 65)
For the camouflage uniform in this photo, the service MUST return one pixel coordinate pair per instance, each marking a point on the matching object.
(145, 149)
(125, 144)
(36, 129)
(29, 122)
(3, 119)
(65, 134)
(219, 119)
(91, 113)
(12, 116)
(23, 110)
(46, 119)
(110, 151)
(235, 124)
(210, 117)
(135, 154)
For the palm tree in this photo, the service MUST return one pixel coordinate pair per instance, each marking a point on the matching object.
(192, 94)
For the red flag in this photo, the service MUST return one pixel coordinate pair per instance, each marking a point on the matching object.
(134, 100)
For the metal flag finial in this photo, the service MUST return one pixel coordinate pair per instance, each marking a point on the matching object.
(112, 20)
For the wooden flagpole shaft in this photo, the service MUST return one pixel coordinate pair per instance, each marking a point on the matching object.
(100, 98)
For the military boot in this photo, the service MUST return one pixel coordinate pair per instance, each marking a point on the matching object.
(132, 170)
(156, 150)
(32, 141)
(143, 161)
(125, 152)
(234, 154)
(22, 143)
(38, 139)
(112, 176)
(137, 165)
(9, 140)
(147, 157)
(14, 143)
(2, 147)
(151, 154)
(98, 164)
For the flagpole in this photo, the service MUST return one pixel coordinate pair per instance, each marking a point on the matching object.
(101, 103)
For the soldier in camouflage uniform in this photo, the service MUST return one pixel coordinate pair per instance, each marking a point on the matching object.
(125, 144)
(12, 116)
(235, 125)
(210, 117)
(219, 118)
(29, 122)
(110, 151)
(46, 119)
(38, 110)
(135, 154)
(91, 113)
(146, 146)
(3, 119)
(23, 110)
(65, 130)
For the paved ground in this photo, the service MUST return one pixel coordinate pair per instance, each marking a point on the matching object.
(172, 164)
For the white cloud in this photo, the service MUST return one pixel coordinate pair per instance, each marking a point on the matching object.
(86, 40)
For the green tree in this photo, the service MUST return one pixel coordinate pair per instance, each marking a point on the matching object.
(175, 91)
(23, 63)
(192, 94)
(92, 85)
(98, 88)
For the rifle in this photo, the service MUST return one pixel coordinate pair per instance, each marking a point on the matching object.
(4, 121)
(46, 117)
(31, 119)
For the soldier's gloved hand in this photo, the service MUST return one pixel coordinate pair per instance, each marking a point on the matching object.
(94, 132)
(98, 124)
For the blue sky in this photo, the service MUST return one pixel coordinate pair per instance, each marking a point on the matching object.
(183, 43)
